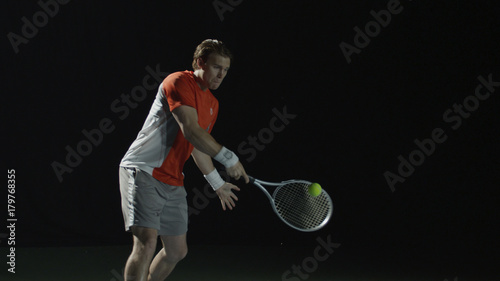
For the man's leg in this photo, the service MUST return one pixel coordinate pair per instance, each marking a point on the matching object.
(174, 250)
(143, 251)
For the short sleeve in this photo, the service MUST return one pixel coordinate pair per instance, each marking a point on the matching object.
(178, 91)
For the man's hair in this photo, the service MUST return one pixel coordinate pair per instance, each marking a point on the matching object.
(207, 47)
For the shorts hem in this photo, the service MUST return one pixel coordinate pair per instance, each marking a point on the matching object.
(129, 228)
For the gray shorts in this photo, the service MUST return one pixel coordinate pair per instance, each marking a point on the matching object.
(150, 203)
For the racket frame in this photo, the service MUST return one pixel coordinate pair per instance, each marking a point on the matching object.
(260, 183)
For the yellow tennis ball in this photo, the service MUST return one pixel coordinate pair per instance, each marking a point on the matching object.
(315, 189)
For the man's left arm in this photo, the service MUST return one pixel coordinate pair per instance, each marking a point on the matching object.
(223, 189)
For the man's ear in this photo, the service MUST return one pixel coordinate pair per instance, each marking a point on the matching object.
(200, 63)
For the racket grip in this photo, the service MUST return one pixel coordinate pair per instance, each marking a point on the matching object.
(252, 179)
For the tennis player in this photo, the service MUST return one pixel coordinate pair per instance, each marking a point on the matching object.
(151, 179)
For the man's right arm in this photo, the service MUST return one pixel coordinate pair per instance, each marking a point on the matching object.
(187, 118)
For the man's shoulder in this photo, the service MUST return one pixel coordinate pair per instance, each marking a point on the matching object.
(178, 80)
(183, 75)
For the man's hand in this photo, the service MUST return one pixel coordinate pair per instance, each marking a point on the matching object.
(238, 171)
(226, 195)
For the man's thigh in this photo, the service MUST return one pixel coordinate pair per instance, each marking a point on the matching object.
(141, 203)
(174, 216)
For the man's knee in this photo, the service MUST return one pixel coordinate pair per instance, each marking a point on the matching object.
(182, 254)
(177, 255)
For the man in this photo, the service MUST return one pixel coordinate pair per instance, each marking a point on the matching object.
(151, 179)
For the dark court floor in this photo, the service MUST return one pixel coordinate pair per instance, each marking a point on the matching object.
(216, 263)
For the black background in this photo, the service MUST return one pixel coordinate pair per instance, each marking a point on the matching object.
(352, 121)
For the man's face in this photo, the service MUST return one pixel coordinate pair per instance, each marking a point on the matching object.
(214, 70)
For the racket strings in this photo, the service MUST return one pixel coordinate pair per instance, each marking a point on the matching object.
(297, 207)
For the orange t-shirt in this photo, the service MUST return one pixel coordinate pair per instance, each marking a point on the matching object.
(160, 148)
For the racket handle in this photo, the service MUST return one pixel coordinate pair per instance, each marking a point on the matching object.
(252, 179)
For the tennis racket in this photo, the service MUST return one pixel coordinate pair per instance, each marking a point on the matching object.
(294, 205)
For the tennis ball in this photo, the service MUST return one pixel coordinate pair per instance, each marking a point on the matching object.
(314, 189)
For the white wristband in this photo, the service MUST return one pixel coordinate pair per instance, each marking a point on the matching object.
(226, 157)
(214, 179)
